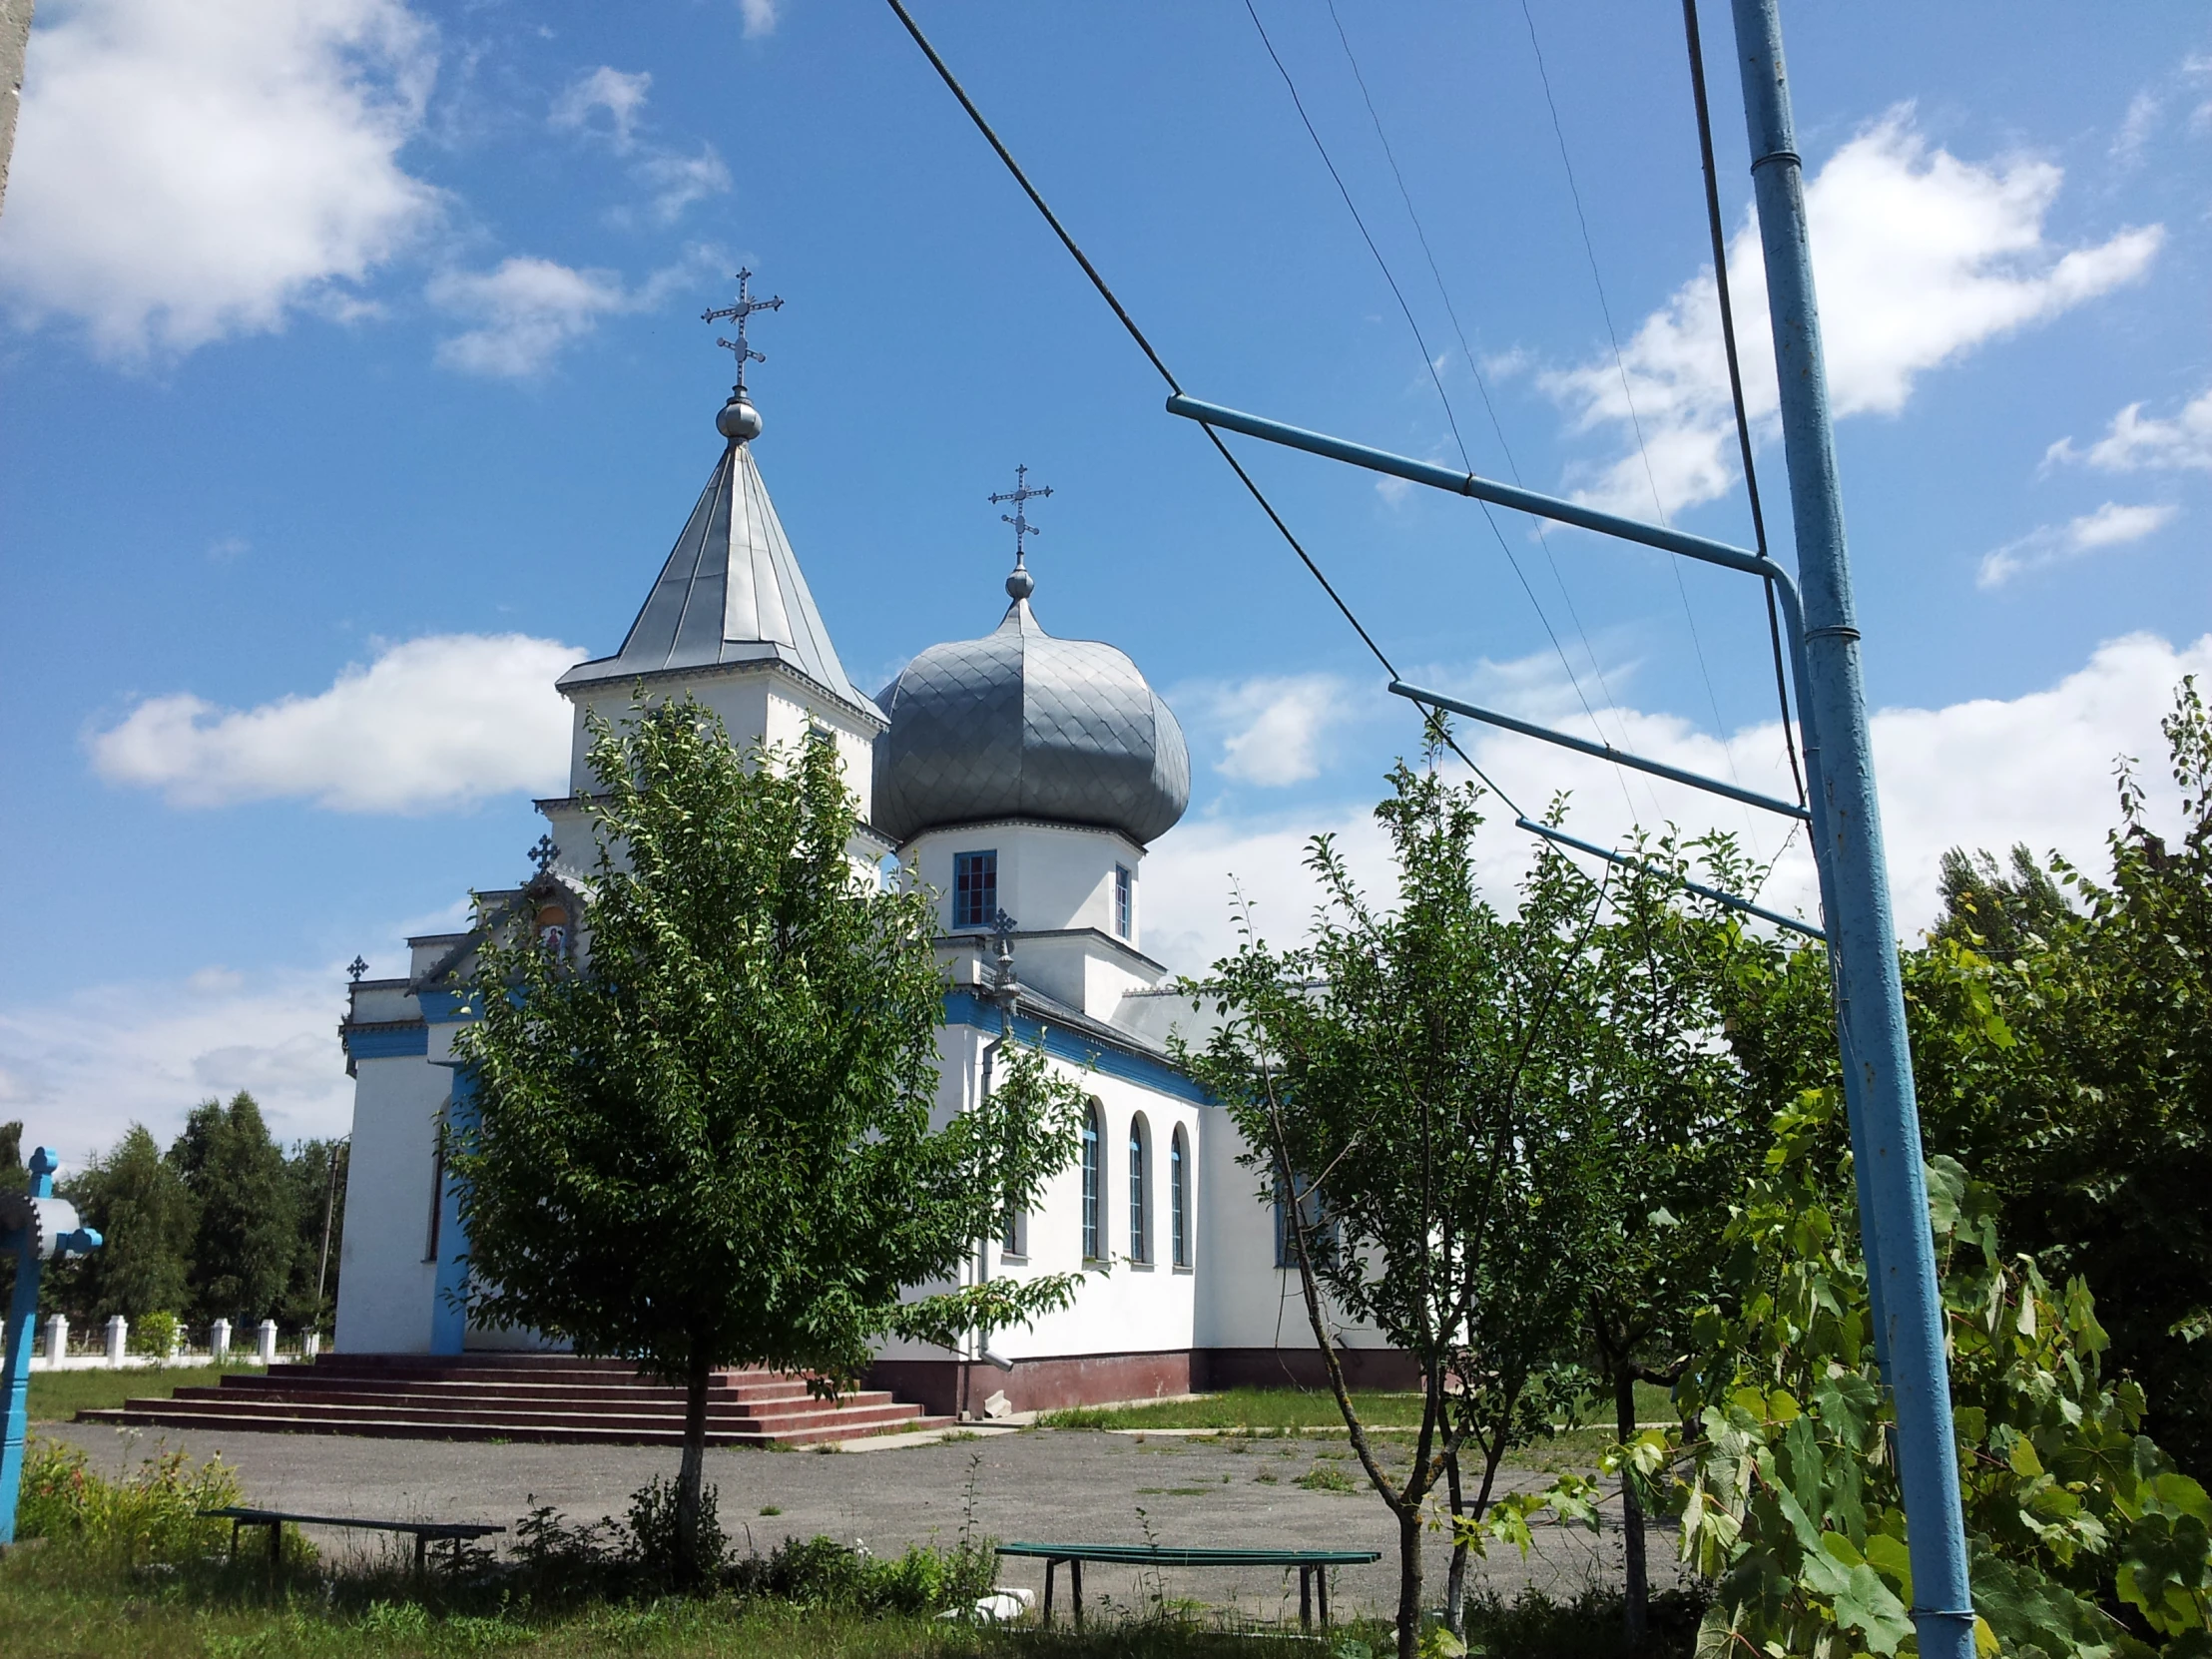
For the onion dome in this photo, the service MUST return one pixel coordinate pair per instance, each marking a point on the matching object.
(1019, 724)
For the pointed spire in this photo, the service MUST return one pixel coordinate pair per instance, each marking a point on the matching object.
(732, 590)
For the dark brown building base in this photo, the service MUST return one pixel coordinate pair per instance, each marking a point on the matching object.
(1048, 1384)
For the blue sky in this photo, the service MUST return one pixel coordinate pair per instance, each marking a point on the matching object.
(352, 382)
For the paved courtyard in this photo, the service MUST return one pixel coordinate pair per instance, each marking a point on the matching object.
(1044, 1484)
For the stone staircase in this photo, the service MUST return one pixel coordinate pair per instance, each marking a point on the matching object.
(515, 1396)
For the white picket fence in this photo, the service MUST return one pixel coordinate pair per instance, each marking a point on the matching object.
(263, 1347)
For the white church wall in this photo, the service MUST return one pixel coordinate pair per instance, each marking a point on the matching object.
(1050, 876)
(384, 1283)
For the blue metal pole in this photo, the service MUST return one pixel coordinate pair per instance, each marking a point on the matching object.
(49, 1230)
(1871, 1013)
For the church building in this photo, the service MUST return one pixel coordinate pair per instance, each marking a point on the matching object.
(1021, 777)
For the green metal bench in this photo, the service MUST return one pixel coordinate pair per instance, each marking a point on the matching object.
(455, 1532)
(1313, 1568)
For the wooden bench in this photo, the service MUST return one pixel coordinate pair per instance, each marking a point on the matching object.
(1312, 1566)
(455, 1532)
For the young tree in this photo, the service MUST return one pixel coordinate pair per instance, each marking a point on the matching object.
(705, 1138)
(1402, 1074)
(247, 1231)
(1671, 1131)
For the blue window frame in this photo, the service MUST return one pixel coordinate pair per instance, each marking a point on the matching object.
(1178, 1234)
(1124, 883)
(975, 889)
(1093, 1133)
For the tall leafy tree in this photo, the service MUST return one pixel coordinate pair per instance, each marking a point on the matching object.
(139, 1202)
(245, 1234)
(317, 1172)
(1403, 1075)
(705, 1138)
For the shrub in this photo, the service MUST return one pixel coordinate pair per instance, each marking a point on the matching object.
(152, 1514)
(822, 1572)
(155, 1334)
(657, 1541)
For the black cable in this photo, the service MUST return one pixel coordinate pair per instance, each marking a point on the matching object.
(1106, 293)
(1735, 371)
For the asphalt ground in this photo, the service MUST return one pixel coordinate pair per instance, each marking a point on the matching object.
(1051, 1485)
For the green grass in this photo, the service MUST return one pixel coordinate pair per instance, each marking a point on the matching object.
(1288, 1411)
(57, 1395)
(59, 1605)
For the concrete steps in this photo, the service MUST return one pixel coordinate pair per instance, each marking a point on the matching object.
(544, 1397)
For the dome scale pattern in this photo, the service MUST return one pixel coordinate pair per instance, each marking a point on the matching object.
(1019, 724)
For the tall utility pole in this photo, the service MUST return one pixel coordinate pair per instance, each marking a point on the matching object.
(1862, 933)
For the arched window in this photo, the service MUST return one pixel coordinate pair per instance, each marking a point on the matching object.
(1094, 1130)
(1179, 1200)
(1140, 1193)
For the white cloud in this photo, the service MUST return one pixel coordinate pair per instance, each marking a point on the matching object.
(1918, 256)
(435, 722)
(2136, 128)
(678, 181)
(621, 95)
(760, 17)
(184, 172)
(1273, 729)
(1981, 774)
(2111, 525)
(525, 310)
(2133, 444)
(80, 1069)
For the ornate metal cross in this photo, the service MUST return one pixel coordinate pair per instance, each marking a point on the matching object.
(1020, 493)
(355, 968)
(742, 311)
(543, 854)
(1006, 984)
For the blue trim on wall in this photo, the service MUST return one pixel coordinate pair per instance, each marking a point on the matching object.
(963, 1007)
(387, 1045)
(448, 1322)
(442, 1007)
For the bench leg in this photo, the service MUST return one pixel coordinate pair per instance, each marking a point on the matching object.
(276, 1544)
(233, 1543)
(1305, 1598)
(1076, 1583)
(1321, 1582)
(421, 1551)
(1049, 1566)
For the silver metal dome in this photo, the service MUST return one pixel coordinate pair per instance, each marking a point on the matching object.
(1021, 724)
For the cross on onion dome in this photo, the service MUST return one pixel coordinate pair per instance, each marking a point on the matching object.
(543, 854)
(741, 312)
(1018, 518)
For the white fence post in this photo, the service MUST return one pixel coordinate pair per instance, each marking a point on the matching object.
(268, 1334)
(312, 1344)
(118, 1338)
(219, 1341)
(57, 1339)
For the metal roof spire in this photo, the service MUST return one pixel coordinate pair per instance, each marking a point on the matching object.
(739, 420)
(1020, 584)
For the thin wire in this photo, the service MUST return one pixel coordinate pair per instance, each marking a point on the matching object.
(1735, 372)
(1427, 361)
(1635, 422)
(1475, 365)
(944, 73)
(1489, 407)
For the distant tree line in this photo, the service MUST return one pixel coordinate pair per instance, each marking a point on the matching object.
(226, 1224)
